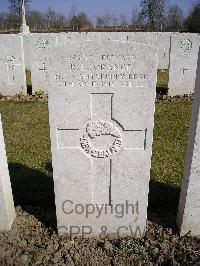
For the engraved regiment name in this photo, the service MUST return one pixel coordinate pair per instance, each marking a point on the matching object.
(110, 71)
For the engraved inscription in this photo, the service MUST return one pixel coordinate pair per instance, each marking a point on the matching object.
(100, 79)
(107, 57)
(41, 44)
(105, 70)
(43, 68)
(96, 129)
(9, 63)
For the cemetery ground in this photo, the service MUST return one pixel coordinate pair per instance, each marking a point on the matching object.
(33, 239)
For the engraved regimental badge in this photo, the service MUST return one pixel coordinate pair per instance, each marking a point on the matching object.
(101, 139)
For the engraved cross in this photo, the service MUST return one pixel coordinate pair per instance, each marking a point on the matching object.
(43, 68)
(103, 138)
(183, 70)
(9, 62)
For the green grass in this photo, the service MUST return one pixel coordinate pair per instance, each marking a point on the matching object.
(170, 140)
(162, 81)
(169, 148)
(27, 141)
(26, 133)
(162, 78)
(28, 150)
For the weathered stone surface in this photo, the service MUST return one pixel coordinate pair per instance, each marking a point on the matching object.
(163, 42)
(148, 38)
(183, 63)
(7, 210)
(26, 47)
(12, 68)
(37, 44)
(188, 218)
(101, 107)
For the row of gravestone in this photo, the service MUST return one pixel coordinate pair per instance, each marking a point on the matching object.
(176, 51)
(101, 114)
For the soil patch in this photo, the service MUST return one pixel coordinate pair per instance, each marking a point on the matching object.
(31, 242)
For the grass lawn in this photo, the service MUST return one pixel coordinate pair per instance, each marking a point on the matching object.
(27, 140)
(169, 148)
(162, 81)
(26, 134)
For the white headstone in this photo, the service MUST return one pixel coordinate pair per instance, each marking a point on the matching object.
(37, 44)
(148, 38)
(183, 63)
(26, 47)
(7, 210)
(188, 218)
(163, 49)
(12, 68)
(101, 108)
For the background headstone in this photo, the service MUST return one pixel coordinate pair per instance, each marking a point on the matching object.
(36, 45)
(7, 210)
(188, 218)
(26, 47)
(12, 68)
(146, 38)
(163, 40)
(101, 108)
(183, 63)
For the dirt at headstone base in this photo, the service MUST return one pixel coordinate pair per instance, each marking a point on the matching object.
(31, 242)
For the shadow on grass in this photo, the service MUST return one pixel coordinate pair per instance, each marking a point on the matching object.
(34, 192)
(28, 81)
(29, 89)
(163, 204)
(162, 90)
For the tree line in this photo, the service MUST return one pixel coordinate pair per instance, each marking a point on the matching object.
(153, 15)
